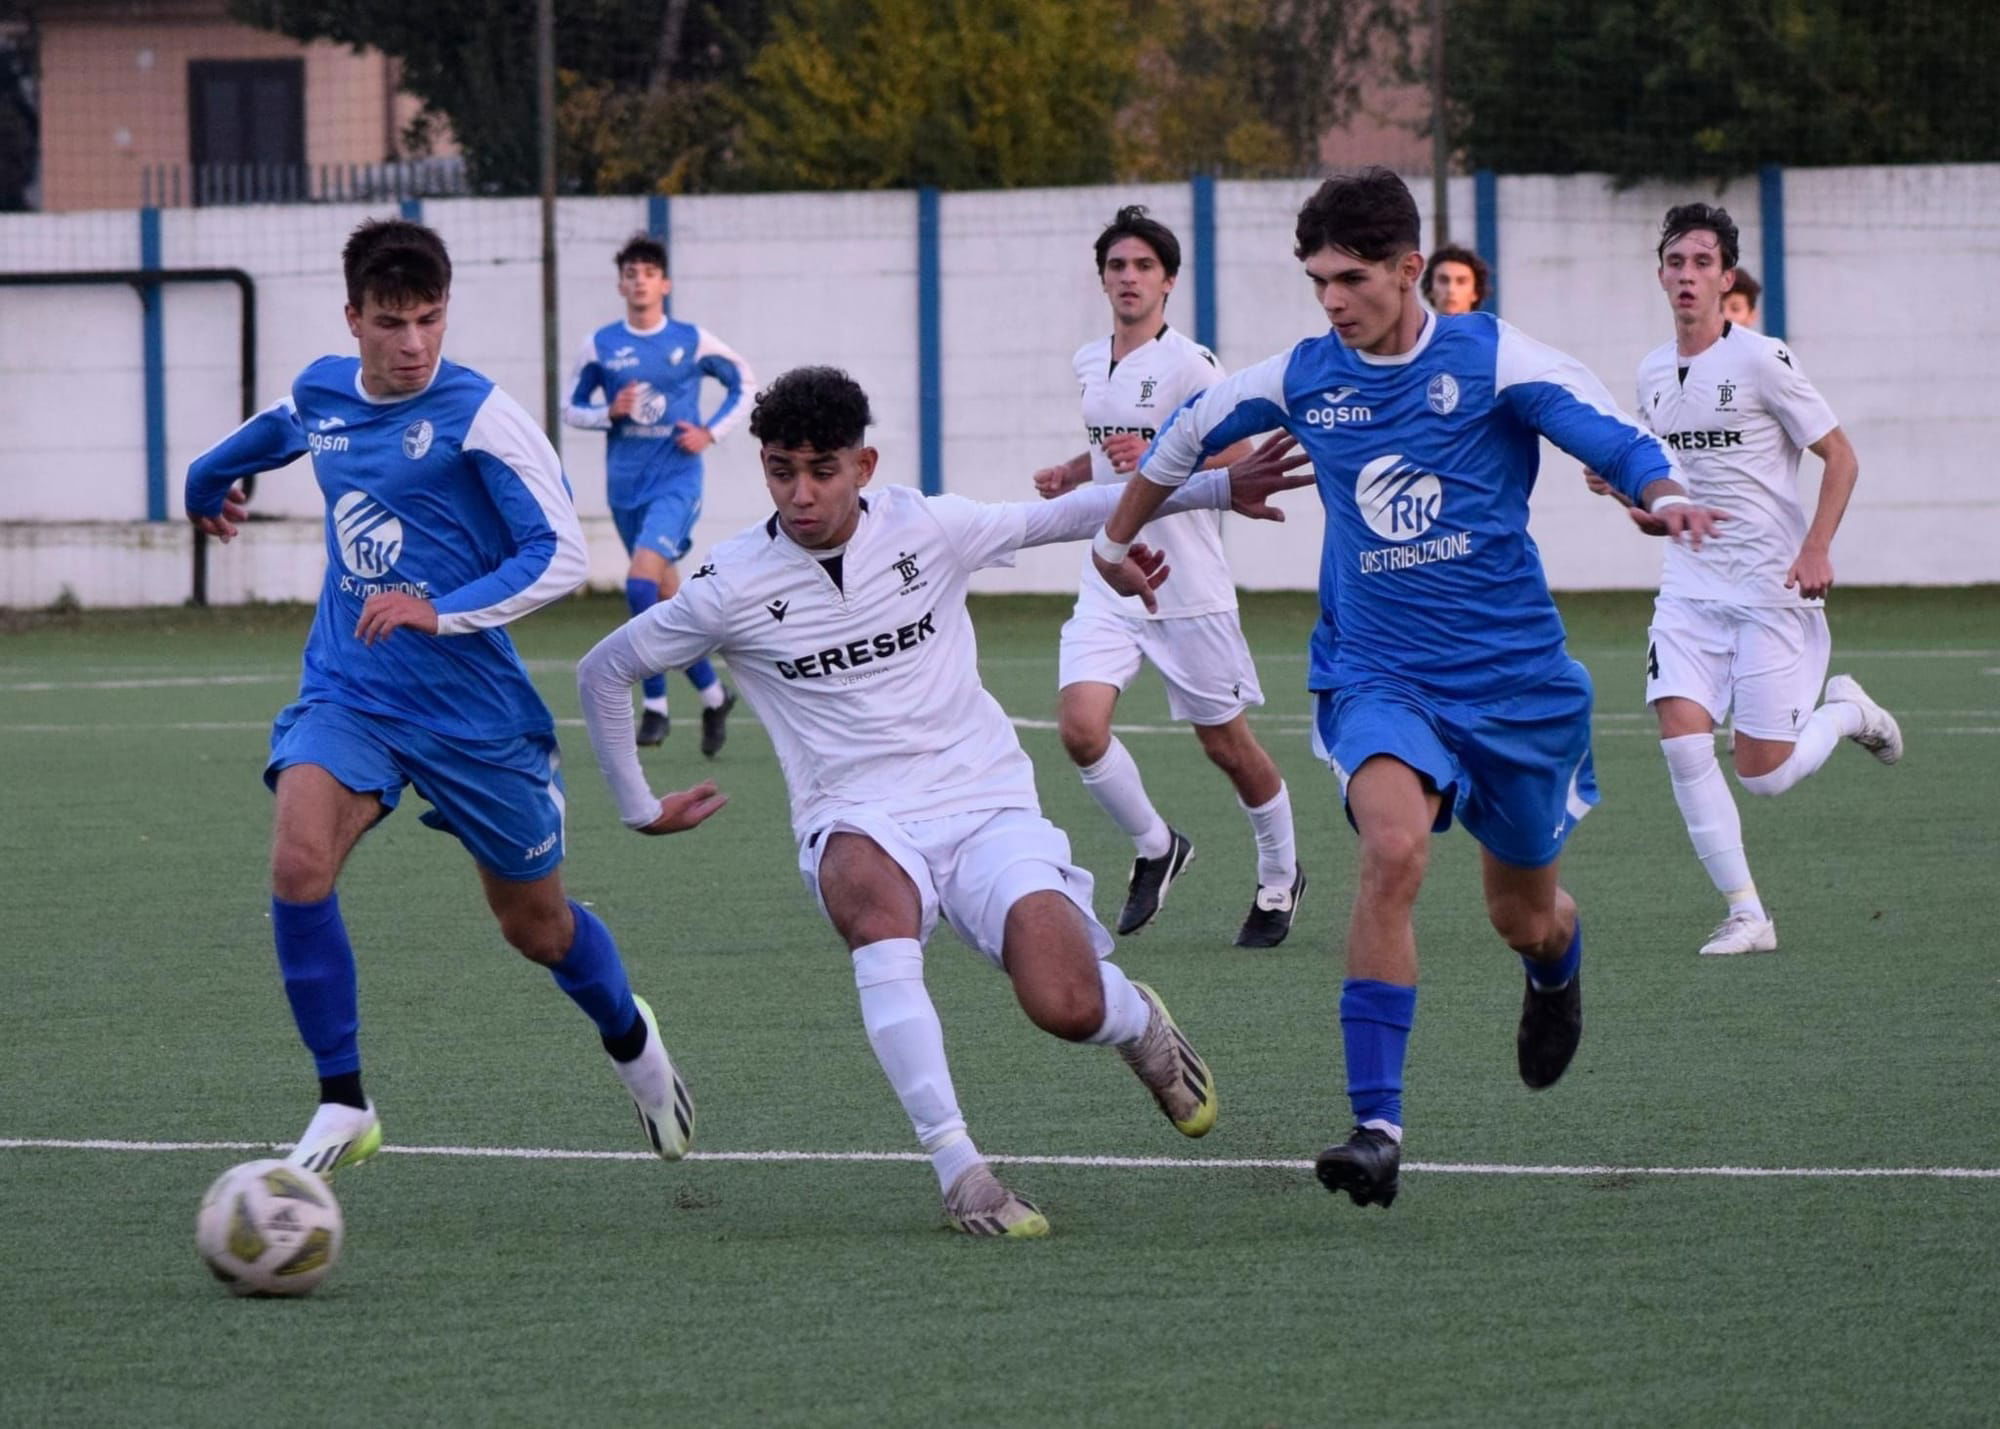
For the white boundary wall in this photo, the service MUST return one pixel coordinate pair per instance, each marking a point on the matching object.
(1891, 304)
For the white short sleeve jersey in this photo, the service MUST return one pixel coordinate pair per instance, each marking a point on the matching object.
(870, 688)
(1737, 421)
(1137, 395)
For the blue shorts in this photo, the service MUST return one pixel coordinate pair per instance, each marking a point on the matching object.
(501, 798)
(665, 525)
(1515, 770)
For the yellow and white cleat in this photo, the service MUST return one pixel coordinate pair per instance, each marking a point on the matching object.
(1172, 1070)
(979, 1205)
(338, 1137)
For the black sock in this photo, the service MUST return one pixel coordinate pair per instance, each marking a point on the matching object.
(629, 1045)
(344, 1089)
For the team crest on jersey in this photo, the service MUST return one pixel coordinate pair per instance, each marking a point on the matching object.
(371, 537)
(1725, 393)
(907, 572)
(417, 439)
(1146, 386)
(674, 357)
(1442, 394)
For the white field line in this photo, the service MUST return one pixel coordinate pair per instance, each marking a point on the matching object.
(149, 682)
(1095, 1163)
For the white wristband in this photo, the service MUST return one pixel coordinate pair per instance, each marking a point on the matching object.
(1111, 552)
(1669, 500)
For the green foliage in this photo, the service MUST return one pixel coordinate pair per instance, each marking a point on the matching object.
(870, 94)
(1711, 88)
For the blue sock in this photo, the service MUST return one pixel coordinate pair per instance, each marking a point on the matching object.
(640, 597)
(1375, 1020)
(317, 962)
(1547, 977)
(593, 976)
(701, 674)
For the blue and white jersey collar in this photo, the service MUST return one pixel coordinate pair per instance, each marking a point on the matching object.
(1404, 359)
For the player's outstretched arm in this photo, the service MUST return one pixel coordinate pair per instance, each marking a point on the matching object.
(669, 636)
(1053, 481)
(213, 495)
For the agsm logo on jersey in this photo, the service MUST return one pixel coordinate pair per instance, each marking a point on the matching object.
(1397, 499)
(371, 537)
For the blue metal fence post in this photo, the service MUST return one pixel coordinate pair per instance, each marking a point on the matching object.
(1771, 201)
(1486, 227)
(153, 344)
(413, 209)
(930, 347)
(1204, 261)
(660, 224)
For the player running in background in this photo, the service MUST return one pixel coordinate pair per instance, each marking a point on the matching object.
(1739, 630)
(447, 517)
(844, 620)
(649, 369)
(1455, 280)
(1449, 692)
(1132, 380)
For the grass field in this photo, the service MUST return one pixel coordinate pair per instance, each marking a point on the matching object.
(141, 1005)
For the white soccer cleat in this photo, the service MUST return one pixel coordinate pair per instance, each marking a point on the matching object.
(338, 1136)
(1742, 933)
(980, 1206)
(666, 1112)
(1880, 735)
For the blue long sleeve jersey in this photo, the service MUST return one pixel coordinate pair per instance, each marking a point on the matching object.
(452, 495)
(641, 456)
(1424, 463)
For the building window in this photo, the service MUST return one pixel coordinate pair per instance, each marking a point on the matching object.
(247, 112)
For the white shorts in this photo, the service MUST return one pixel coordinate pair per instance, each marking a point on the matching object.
(972, 867)
(1766, 663)
(1204, 660)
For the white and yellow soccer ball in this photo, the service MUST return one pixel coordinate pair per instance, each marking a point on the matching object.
(269, 1228)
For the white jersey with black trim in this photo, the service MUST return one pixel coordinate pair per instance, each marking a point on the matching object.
(1737, 420)
(868, 681)
(1137, 395)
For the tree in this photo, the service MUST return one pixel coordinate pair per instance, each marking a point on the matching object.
(1712, 88)
(632, 72)
(870, 94)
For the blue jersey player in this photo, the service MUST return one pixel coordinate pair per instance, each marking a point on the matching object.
(447, 516)
(1444, 686)
(648, 370)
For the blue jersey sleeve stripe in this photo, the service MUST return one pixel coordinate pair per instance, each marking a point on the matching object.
(725, 365)
(1240, 405)
(1562, 399)
(271, 439)
(524, 478)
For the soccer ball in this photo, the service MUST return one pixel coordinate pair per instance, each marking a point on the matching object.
(268, 1228)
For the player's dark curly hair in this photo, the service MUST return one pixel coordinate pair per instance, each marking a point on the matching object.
(1696, 218)
(818, 407)
(396, 262)
(1748, 286)
(1134, 222)
(642, 248)
(1452, 253)
(1369, 213)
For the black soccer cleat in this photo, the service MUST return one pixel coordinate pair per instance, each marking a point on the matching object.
(1365, 1166)
(653, 728)
(715, 724)
(1151, 878)
(1551, 1027)
(1271, 914)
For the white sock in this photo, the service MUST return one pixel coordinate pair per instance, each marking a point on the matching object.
(1824, 728)
(713, 696)
(1709, 811)
(1126, 1013)
(1277, 850)
(903, 1029)
(656, 703)
(954, 1158)
(1115, 783)
(1387, 1128)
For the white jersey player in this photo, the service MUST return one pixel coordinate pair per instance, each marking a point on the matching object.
(1132, 381)
(1739, 630)
(844, 620)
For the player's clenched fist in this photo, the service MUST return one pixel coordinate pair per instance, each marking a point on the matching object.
(391, 611)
